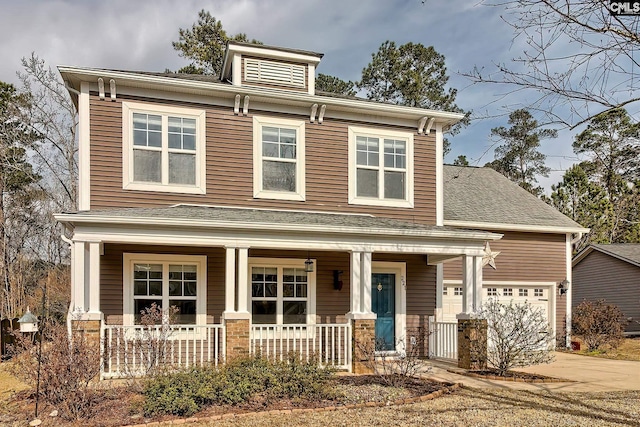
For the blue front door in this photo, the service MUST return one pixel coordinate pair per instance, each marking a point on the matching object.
(383, 292)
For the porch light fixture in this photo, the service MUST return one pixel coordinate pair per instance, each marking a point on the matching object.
(563, 287)
(308, 264)
(337, 282)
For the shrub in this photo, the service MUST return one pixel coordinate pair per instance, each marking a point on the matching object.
(518, 335)
(69, 364)
(186, 392)
(599, 324)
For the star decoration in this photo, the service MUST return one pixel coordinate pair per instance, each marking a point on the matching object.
(489, 257)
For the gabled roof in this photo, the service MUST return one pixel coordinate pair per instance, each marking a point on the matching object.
(627, 252)
(477, 197)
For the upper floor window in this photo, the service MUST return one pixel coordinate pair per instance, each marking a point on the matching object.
(164, 148)
(278, 158)
(380, 167)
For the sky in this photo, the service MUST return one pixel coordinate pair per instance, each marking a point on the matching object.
(137, 35)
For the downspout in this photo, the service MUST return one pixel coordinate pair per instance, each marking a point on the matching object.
(71, 303)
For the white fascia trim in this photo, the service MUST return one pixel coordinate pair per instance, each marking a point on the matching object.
(515, 227)
(84, 144)
(265, 52)
(167, 84)
(305, 228)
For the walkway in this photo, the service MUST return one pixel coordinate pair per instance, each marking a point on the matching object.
(590, 374)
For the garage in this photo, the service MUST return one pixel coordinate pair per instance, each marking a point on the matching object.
(539, 295)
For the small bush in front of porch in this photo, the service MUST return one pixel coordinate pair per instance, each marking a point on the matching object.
(186, 392)
(599, 324)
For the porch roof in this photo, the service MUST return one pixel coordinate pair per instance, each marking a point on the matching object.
(194, 216)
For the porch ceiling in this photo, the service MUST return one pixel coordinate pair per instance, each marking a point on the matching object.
(267, 227)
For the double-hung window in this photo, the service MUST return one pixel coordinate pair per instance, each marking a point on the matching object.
(278, 159)
(169, 281)
(380, 167)
(164, 148)
(282, 292)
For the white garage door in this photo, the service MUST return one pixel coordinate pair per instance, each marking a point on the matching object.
(537, 296)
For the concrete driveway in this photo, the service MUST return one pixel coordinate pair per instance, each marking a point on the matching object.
(590, 374)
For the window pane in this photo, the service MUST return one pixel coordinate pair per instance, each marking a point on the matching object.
(189, 126)
(182, 168)
(287, 151)
(270, 134)
(175, 124)
(263, 312)
(139, 121)
(294, 312)
(155, 139)
(271, 290)
(189, 142)
(288, 136)
(175, 141)
(288, 289)
(155, 287)
(190, 289)
(367, 183)
(140, 138)
(394, 185)
(140, 305)
(257, 290)
(175, 288)
(140, 287)
(301, 290)
(278, 176)
(271, 274)
(154, 122)
(186, 311)
(146, 166)
(269, 149)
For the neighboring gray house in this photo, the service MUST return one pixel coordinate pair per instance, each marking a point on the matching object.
(612, 273)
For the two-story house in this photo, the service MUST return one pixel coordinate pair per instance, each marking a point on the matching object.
(274, 217)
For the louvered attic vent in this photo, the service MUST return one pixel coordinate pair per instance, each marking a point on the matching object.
(261, 71)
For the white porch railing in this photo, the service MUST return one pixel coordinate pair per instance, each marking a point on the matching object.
(137, 350)
(330, 343)
(443, 339)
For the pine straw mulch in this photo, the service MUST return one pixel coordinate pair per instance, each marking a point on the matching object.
(119, 406)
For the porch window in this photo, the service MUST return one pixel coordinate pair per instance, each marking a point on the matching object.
(168, 281)
(282, 294)
(380, 167)
(278, 166)
(164, 148)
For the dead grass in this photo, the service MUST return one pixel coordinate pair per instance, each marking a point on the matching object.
(628, 350)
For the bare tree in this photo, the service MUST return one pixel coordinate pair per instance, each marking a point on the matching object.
(579, 57)
(518, 335)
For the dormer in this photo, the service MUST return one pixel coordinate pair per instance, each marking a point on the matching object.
(247, 64)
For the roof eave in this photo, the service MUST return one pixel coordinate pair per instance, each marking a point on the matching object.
(75, 75)
(583, 254)
(75, 219)
(516, 227)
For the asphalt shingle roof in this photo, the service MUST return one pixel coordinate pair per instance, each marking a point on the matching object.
(482, 195)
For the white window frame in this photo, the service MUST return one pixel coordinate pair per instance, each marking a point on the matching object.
(128, 183)
(355, 131)
(129, 259)
(258, 190)
(281, 264)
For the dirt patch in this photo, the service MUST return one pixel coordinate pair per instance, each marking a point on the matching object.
(119, 406)
(629, 349)
(492, 374)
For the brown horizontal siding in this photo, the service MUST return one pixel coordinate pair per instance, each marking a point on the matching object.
(600, 276)
(111, 285)
(523, 257)
(230, 163)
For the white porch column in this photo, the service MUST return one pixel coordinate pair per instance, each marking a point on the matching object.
(230, 280)
(467, 284)
(472, 284)
(78, 277)
(477, 284)
(365, 282)
(439, 291)
(243, 280)
(355, 282)
(94, 277)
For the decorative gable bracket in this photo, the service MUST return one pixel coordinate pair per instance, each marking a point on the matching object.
(112, 88)
(314, 109)
(245, 105)
(429, 124)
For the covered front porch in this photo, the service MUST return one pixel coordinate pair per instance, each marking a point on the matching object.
(242, 281)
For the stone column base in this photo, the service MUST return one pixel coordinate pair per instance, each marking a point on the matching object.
(89, 329)
(364, 345)
(472, 344)
(237, 337)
